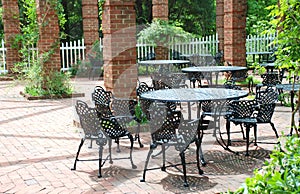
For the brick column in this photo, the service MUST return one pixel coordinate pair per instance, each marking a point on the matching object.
(90, 22)
(11, 29)
(48, 35)
(235, 31)
(160, 9)
(119, 41)
(220, 23)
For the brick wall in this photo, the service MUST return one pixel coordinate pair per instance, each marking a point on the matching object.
(119, 41)
(235, 31)
(11, 29)
(90, 22)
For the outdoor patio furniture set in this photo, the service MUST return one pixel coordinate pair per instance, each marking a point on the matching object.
(169, 126)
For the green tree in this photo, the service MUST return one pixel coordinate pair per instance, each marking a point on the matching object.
(197, 17)
(73, 27)
(287, 21)
(258, 16)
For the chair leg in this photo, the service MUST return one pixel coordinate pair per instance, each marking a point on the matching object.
(109, 150)
(91, 144)
(118, 145)
(274, 129)
(198, 148)
(137, 135)
(100, 161)
(77, 154)
(152, 147)
(163, 150)
(131, 148)
(255, 135)
(242, 130)
(228, 133)
(182, 156)
(247, 139)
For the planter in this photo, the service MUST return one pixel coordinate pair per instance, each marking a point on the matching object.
(29, 97)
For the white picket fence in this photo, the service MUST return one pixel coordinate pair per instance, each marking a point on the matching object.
(74, 52)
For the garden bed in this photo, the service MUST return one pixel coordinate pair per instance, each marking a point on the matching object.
(29, 97)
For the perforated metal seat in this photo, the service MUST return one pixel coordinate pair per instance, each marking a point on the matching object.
(169, 129)
(100, 130)
(126, 108)
(249, 113)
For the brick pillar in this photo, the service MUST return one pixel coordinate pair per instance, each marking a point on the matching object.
(11, 29)
(90, 22)
(220, 23)
(160, 9)
(48, 35)
(235, 31)
(119, 42)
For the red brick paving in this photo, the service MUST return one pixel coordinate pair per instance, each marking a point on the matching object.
(38, 142)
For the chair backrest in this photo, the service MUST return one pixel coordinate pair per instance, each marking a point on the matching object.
(113, 126)
(123, 107)
(142, 88)
(89, 120)
(160, 81)
(267, 96)
(100, 95)
(270, 79)
(163, 122)
(241, 109)
(218, 58)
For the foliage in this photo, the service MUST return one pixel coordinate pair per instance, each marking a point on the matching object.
(286, 19)
(38, 84)
(279, 175)
(258, 17)
(196, 17)
(159, 32)
(1, 24)
(73, 27)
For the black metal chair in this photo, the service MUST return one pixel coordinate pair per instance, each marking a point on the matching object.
(115, 127)
(144, 104)
(126, 108)
(96, 129)
(269, 79)
(169, 129)
(238, 76)
(102, 96)
(217, 109)
(249, 113)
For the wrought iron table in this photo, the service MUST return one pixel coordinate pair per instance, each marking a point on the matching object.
(211, 69)
(161, 64)
(260, 55)
(197, 95)
(292, 89)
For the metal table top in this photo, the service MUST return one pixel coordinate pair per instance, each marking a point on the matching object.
(162, 62)
(259, 53)
(288, 87)
(212, 69)
(193, 94)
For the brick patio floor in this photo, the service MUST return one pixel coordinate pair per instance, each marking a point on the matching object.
(38, 142)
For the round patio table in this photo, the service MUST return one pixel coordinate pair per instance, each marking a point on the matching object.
(191, 71)
(292, 88)
(194, 95)
(164, 65)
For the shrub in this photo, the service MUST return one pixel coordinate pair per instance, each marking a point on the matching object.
(281, 174)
